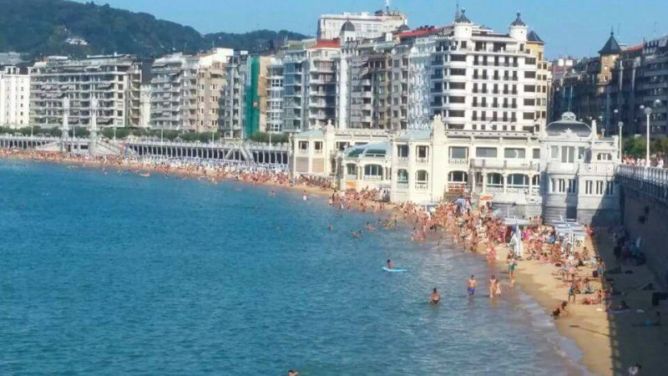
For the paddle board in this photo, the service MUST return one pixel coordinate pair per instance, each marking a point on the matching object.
(393, 270)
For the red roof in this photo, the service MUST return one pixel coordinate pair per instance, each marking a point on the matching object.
(420, 32)
(636, 47)
(327, 43)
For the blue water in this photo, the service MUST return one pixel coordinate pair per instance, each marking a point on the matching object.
(111, 273)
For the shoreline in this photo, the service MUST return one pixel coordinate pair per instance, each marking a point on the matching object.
(585, 325)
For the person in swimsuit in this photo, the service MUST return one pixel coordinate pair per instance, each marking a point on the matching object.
(492, 286)
(390, 264)
(435, 297)
(471, 285)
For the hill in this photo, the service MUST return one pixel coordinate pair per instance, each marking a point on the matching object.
(61, 27)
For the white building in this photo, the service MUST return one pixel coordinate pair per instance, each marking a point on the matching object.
(275, 96)
(566, 172)
(579, 173)
(367, 25)
(484, 80)
(14, 98)
(113, 80)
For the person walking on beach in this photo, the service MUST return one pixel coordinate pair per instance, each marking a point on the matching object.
(471, 285)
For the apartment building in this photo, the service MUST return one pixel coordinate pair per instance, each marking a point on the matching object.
(14, 97)
(233, 99)
(113, 80)
(612, 87)
(274, 87)
(489, 81)
(185, 90)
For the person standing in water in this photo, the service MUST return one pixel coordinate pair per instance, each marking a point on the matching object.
(435, 297)
(492, 286)
(471, 285)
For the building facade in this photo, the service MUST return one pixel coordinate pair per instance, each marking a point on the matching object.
(367, 25)
(233, 109)
(113, 80)
(185, 91)
(612, 87)
(564, 172)
(14, 97)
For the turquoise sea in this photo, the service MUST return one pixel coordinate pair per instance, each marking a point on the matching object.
(109, 273)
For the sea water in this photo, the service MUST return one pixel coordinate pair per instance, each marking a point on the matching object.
(107, 272)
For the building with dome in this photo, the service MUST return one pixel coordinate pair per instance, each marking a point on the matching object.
(565, 172)
(366, 25)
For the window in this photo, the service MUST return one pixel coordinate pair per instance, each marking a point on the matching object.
(589, 187)
(402, 177)
(529, 102)
(402, 151)
(527, 116)
(581, 153)
(422, 152)
(458, 85)
(529, 74)
(604, 157)
(457, 177)
(609, 188)
(554, 152)
(572, 186)
(318, 146)
(459, 152)
(529, 88)
(351, 169)
(303, 145)
(536, 153)
(422, 180)
(514, 153)
(457, 72)
(373, 171)
(567, 154)
(495, 180)
(599, 187)
(482, 152)
(517, 180)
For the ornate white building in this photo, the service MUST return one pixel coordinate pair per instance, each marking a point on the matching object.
(565, 172)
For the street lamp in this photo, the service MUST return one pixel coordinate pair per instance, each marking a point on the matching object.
(620, 125)
(648, 113)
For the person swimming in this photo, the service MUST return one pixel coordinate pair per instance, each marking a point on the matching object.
(471, 285)
(435, 297)
(390, 264)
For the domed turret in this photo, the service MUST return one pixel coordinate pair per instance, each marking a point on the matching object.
(348, 32)
(463, 26)
(518, 29)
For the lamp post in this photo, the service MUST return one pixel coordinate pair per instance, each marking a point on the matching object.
(648, 113)
(620, 125)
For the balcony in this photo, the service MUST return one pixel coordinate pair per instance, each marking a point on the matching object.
(506, 164)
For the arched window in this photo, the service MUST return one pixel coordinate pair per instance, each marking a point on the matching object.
(402, 176)
(373, 171)
(458, 177)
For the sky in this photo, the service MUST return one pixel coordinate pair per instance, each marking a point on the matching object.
(569, 27)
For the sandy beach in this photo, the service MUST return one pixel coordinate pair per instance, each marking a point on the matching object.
(610, 341)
